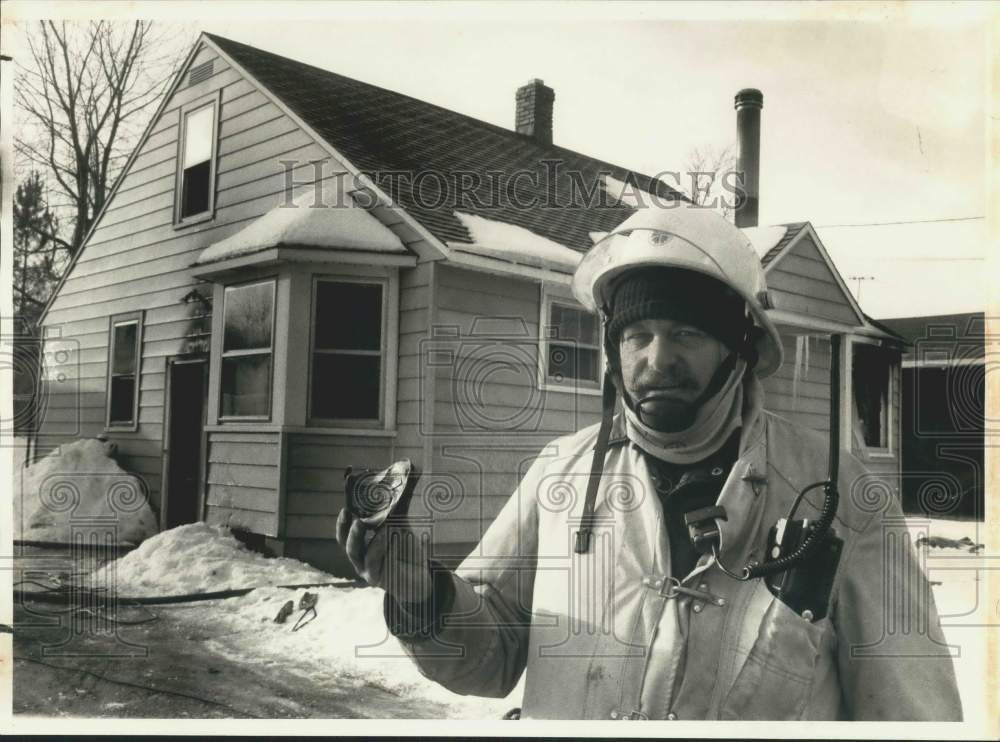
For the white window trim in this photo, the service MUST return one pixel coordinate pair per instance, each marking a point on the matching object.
(126, 318)
(548, 295)
(388, 351)
(223, 354)
(875, 452)
(184, 112)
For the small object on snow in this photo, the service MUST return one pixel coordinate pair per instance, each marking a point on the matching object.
(307, 601)
(374, 496)
(311, 611)
(285, 612)
(940, 542)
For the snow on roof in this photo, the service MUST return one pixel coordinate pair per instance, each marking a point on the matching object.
(630, 194)
(343, 226)
(764, 239)
(516, 244)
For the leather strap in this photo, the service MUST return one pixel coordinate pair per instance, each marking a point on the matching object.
(582, 545)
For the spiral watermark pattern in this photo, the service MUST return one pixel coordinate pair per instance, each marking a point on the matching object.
(443, 494)
(557, 495)
(967, 396)
(938, 496)
(624, 495)
(477, 373)
(127, 496)
(373, 494)
(871, 494)
(58, 494)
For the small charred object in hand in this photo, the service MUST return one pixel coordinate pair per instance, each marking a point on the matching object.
(373, 496)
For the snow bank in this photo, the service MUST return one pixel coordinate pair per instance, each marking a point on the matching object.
(764, 239)
(515, 244)
(200, 558)
(79, 486)
(346, 644)
(343, 226)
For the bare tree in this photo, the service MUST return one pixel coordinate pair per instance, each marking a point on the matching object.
(83, 92)
(709, 182)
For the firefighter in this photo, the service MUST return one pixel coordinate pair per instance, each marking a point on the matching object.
(600, 580)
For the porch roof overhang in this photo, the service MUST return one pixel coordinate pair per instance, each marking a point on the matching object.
(302, 232)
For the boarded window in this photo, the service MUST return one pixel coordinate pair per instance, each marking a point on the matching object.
(247, 344)
(870, 377)
(123, 371)
(347, 358)
(197, 166)
(573, 351)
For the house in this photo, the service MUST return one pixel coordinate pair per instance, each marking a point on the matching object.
(297, 272)
(943, 414)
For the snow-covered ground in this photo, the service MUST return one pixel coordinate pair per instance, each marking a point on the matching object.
(347, 643)
(80, 486)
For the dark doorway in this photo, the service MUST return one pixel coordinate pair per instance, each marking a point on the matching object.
(185, 420)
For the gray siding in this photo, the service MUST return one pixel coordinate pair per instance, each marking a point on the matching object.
(807, 401)
(242, 481)
(136, 258)
(315, 478)
(800, 281)
(488, 428)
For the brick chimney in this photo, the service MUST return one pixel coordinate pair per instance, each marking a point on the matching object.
(534, 111)
(749, 102)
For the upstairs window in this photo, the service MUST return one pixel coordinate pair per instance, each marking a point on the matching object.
(247, 349)
(571, 347)
(347, 351)
(871, 380)
(197, 163)
(124, 358)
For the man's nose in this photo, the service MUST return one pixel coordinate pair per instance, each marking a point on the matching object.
(661, 353)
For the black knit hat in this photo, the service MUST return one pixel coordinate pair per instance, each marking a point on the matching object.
(683, 296)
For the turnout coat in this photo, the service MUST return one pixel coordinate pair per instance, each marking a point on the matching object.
(606, 634)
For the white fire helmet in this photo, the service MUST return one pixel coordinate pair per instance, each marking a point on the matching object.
(682, 236)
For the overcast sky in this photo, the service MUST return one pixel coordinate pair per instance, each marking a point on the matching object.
(873, 113)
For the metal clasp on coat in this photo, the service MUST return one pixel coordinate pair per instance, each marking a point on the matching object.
(671, 587)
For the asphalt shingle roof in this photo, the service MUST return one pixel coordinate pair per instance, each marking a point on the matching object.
(383, 132)
(792, 229)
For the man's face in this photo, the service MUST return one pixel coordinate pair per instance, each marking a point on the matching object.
(666, 365)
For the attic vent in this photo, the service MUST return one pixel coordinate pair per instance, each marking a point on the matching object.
(202, 72)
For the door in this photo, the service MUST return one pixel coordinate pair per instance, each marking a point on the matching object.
(187, 396)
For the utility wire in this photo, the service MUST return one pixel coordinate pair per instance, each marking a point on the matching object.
(912, 221)
(137, 686)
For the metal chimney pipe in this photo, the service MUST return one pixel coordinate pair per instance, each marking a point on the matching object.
(749, 102)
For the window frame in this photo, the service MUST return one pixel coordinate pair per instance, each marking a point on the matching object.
(549, 296)
(857, 438)
(114, 321)
(212, 101)
(343, 422)
(223, 354)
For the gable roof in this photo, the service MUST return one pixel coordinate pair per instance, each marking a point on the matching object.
(384, 133)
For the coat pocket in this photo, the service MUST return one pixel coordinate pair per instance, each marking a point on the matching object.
(776, 679)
